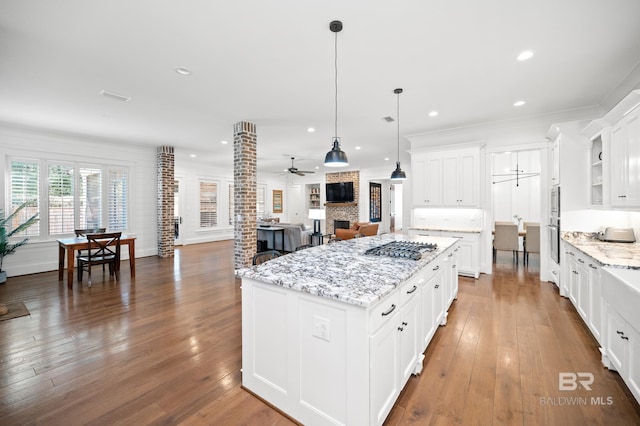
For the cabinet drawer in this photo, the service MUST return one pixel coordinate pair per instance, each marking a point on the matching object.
(410, 289)
(384, 310)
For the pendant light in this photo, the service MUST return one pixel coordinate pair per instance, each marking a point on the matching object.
(398, 174)
(336, 157)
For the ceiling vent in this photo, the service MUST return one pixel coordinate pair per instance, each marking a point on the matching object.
(116, 96)
(388, 119)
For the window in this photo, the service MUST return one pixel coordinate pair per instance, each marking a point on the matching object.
(117, 197)
(73, 195)
(261, 195)
(208, 204)
(25, 186)
(61, 203)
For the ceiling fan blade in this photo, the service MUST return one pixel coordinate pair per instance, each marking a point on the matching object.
(306, 171)
(299, 173)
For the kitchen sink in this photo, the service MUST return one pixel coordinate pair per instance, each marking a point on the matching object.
(621, 288)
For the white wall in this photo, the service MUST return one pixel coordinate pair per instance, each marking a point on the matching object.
(516, 197)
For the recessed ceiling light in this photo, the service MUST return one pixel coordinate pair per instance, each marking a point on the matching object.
(192, 155)
(386, 158)
(433, 113)
(518, 103)
(311, 130)
(183, 71)
(357, 147)
(523, 56)
(114, 95)
(317, 167)
(224, 142)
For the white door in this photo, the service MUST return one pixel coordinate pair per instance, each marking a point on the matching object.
(178, 209)
(296, 209)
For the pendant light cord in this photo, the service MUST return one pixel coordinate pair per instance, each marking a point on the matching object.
(336, 83)
(398, 115)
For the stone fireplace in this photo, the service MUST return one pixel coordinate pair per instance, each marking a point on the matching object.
(347, 212)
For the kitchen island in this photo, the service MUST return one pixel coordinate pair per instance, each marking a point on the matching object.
(331, 335)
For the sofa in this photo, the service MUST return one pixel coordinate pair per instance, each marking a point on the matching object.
(295, 235)
(366, 228)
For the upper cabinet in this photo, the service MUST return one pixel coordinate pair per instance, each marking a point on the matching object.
(555, 161)
(446, 178)
(625, 161)
(597, 170)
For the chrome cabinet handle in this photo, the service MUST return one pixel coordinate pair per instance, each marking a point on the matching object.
(393, 307)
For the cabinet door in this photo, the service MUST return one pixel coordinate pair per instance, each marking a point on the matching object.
(450, 180)
(418, 174)
(430, 306)
(384, 369)
(555, 160)
(574, 281)
(468, 179)
(615, 343)
(633, 159)
(433, 182)
(584, 293)
(409, 331)
(617, 165)
(632, 368)
(595, 308)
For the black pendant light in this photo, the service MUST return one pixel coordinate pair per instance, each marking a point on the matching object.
(336, 157)
(398, 174)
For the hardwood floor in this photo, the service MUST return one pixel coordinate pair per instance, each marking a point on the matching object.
(165, 348)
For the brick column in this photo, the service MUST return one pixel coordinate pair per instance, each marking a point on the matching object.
(244, 193)
(166, 181)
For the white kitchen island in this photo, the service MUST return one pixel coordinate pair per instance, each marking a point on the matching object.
(331, 335)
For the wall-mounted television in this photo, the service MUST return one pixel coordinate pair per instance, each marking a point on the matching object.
(341, 192)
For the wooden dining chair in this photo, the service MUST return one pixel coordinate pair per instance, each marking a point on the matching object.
(81, 233)
(265, 256)
(506, 239)
(104, 249)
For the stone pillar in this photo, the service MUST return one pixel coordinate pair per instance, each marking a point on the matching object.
(165, 210)
(244, 193)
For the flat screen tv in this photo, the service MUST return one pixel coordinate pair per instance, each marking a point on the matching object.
(341, 192)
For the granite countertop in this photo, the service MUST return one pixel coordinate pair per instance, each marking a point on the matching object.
(617, 255)
(442, 228)
(341, 271)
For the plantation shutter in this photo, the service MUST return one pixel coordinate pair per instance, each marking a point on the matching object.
(90, 198)
(61, 202)
(25, 186)
(117, 199)
(208, 204)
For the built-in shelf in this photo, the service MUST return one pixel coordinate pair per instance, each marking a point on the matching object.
(597, 175)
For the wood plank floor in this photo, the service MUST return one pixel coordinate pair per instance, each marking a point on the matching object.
(165, 348)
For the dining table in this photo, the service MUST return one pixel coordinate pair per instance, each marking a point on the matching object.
(68, 246)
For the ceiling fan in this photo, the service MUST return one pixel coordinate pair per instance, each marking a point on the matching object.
(294, 170)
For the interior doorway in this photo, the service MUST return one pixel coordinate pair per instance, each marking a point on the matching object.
(395, 207)
(178, 209)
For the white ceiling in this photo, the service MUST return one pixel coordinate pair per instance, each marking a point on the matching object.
(272, 63)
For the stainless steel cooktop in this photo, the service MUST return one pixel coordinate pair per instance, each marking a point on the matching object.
(402, 249)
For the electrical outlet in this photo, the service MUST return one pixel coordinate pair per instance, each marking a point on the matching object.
(322, 328)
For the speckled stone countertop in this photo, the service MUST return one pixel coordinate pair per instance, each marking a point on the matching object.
(617, 255)
(441, 228)
(341, 271)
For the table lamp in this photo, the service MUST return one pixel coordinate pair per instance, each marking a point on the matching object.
(317, 215)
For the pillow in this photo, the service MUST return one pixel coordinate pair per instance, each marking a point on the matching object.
(355, 226)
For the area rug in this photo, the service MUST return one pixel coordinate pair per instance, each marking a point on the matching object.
(16, 309)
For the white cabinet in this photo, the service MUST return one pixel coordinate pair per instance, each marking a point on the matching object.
(623, 349)
(432, 303)
(597, 170)
(581, 283)
(461, 176)
(447, 178)
(555, 161)
(468, 255)
(427, 183)
(625, 161)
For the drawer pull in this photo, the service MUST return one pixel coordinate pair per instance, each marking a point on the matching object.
(404, 323)
(436, 268)
(437, 286)
(625, 337)
(620, 332)
(400, 329)
(450, 254)
(591, 266)
(412, 290)
(580, 260)
(393, 307)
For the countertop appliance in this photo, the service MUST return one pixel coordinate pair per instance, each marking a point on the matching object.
(403, 249)
(617, 235)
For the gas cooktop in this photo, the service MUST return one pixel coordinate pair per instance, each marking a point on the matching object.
(402, 249)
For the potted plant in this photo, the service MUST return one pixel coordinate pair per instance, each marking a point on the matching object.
(6, 246)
